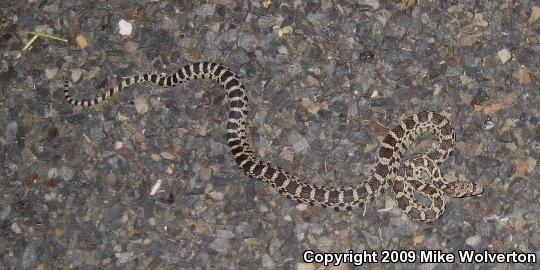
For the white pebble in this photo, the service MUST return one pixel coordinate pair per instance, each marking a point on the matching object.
(15, 228)
(118, 145)
(504, 55)
(125, 28)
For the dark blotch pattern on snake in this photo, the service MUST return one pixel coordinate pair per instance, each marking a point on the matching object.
(403, 177)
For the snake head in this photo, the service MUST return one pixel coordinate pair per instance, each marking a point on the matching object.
(463, 189)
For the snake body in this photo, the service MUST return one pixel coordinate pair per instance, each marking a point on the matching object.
(404, 177)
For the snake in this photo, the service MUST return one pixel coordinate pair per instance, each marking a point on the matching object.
(405, 178)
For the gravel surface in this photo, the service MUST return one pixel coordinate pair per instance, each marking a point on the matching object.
(326, 81)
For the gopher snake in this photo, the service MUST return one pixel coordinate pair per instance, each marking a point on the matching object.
(404, 178)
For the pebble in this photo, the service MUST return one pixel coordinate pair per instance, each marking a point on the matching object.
(523, 75)
(531, 164)
(521, 167)
(76, 74)
(373, 4)
(269, 21)
(306, 103)
(50, 73)
(287, 154)
(224, 234)
(206, 10)
(312, 81)
(167, 155)
(141, 105)
(118, 145)
(283, 50)
(507, 125)
(124, 257)
(492, 106)
(29, 256)
(504, 55)
(223, 2)
(535, 14)
(93, 72)
(240, 57)
(305, 266)
(473, 241)
(479, 20)
(81, 41)
(216, 148)
(221, 245)
(110, 178)
(124, 28)
(216, 195)
(247, 41)
(170, 169)
(15, 228)
(244, 229)
(301, 145)
(267, 261)
(155, 157)
(418, 239)
(52, 173)
(205, 174)
(130, 46)
(44, 29)
(11, 131)
(66, 173)
(405, 4)
(325, 244)
(319, 19)
(285, 31)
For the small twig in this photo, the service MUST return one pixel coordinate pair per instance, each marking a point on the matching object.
(86, 138)
(27, 45)
(36, 35)
(47, 36)
(155, 188)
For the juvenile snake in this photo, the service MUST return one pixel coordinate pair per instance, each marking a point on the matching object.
(404, 177)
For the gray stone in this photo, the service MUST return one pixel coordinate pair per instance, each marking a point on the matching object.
(29, 256)
(220, 245)
(247, 41)
(206, 10)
